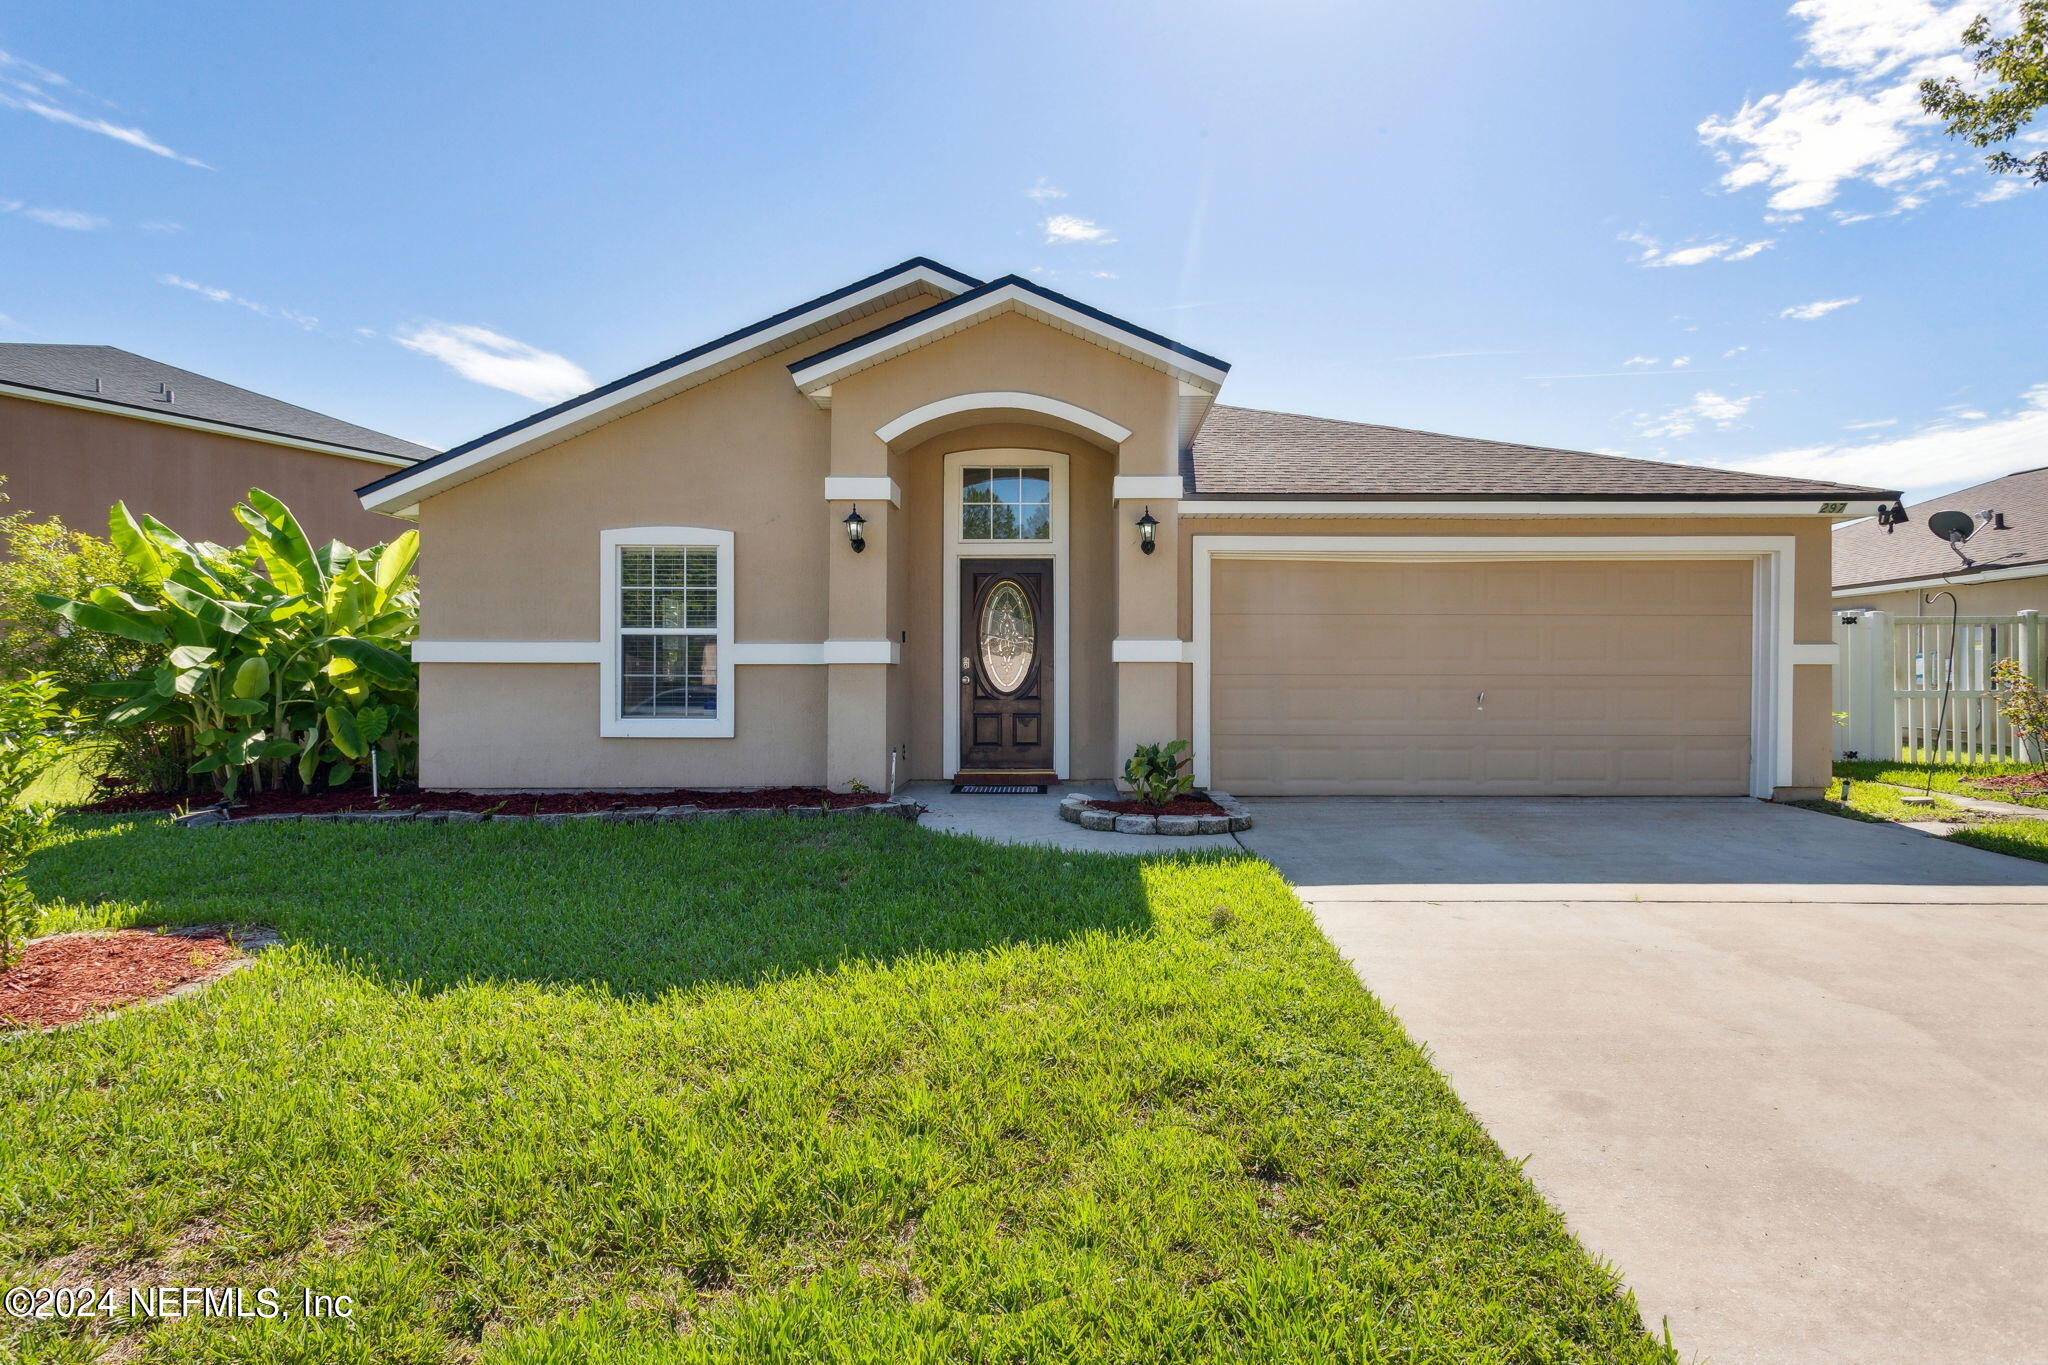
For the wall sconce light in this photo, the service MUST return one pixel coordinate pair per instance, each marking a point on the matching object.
(1148, 529)
(856, 531)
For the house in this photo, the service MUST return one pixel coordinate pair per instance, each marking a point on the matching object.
(84, 426)
(929, 526)
(2000, 569)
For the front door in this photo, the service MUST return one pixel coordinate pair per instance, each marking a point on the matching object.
(1006, 665)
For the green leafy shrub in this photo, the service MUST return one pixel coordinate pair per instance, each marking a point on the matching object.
(1154, 772)
(46, 556)
(30, 742)
(279, 661)
(2022, 702)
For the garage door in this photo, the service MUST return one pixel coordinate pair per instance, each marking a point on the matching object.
(1543, 677)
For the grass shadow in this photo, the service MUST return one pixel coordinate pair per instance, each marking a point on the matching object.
(634, 909)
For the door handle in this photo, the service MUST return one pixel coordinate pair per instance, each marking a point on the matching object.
(1482, 699)
(966, 669)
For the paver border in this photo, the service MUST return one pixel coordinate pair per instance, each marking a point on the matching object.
(1078, 809)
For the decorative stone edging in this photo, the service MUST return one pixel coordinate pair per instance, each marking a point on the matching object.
(900, 810)
(1078, 810)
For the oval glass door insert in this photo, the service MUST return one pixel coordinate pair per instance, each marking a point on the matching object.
(1008, 637)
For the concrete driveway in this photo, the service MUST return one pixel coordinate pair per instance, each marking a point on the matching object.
(1788, 1072)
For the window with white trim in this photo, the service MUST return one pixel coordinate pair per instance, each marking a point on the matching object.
(666, 663)
(1005, 503)
(668, 632)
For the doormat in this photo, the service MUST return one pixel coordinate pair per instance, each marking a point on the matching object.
(993, 789)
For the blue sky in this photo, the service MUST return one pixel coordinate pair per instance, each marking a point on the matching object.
(1714, 232)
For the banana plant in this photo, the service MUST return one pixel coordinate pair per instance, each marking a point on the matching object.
(282, 660)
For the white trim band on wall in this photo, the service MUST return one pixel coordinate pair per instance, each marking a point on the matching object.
(1131, 651)
(743, 654)
(1149, 487)
(1829, 653)
(1113, 432)
(862, 488)
(1522, 507)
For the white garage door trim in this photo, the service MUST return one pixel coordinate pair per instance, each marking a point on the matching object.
(1770, 763)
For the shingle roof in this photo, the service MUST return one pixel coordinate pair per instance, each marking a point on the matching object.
(112, 375)
(1865, 555)
(1246, 452)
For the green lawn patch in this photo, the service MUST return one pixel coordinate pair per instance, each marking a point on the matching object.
(1876, 804)
(1953, 778)
(786, 1090)
(2021, 838)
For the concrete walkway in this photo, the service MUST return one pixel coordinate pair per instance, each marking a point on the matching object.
(1036, 820)
(1788, 1072)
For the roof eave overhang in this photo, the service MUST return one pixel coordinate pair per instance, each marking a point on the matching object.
(87, 403)
(1544, 505)
(399, 496)
(1197, 374)
(1958, 576)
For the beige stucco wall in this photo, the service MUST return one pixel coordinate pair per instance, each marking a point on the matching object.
(73, 464)
(515, 555)
(2001, 598)
(1812, 585)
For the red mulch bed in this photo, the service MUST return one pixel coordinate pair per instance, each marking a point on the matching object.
(2025, 784)
(522, 803)
(62, 980)
(1180, 805)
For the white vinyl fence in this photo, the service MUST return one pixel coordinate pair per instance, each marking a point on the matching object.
(1888, 680)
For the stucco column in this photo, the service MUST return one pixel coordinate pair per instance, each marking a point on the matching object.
(860, 652)
(1148, 670)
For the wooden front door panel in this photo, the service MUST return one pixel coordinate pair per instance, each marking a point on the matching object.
(1006, 664)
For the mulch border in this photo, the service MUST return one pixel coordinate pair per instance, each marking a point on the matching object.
(250, 941)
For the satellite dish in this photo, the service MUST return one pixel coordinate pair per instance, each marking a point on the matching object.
(1952, 526)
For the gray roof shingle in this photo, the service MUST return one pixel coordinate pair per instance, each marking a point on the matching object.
(112, 375)
(1865, 555)
(1247, 452)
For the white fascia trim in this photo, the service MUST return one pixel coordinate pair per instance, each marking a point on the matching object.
(1521, 507)
(513, 444)
(1963, 578)
(815, 380)
(862, 652)
(1132, 651)
(612, 725)
(172, 419)
(1771, 654)
(778, 652)
(1829, 653)
(506, 651)
(1146, 488)
(862, 488)
(1113, 432)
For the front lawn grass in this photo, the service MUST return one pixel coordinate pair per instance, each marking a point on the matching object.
(1953, 778)
(786, 1090)
(1873, 803)
(2020, 838)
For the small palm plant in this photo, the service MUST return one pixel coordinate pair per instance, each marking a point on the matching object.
(1154, 772)
(30, 742)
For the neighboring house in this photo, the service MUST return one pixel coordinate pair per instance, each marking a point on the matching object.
(84, 426)
(2002, 568)
(656, 585)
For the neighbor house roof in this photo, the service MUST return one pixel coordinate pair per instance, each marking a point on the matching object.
(1249, 453)
(1865, 556)
(107, 378)
(663, 380)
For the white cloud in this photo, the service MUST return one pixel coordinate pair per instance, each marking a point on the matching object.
(1732, 352)
(491, 358)
(1819, 308)
(219, 295)
(1640, 360)
(70, 219)
(1043, 191)
(1065, 229)
(2004, 189)
(26, 92)
(1870, 426)
(1679, 362)
(161, 225)
(1654, 253)
(1705, 407)
(1947, 454)
(1863, 124)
